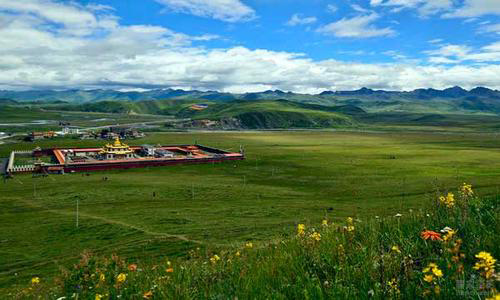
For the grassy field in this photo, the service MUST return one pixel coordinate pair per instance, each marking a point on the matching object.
(288, 178)
(444, 250)
(24, 119)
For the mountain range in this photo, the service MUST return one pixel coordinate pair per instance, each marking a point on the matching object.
(454, 100)
(156, 94)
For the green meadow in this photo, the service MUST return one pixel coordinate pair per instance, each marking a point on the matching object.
(287, 178)
(20, 119)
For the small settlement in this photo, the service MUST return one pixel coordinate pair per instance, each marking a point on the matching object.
(115, 155)
(109, 133)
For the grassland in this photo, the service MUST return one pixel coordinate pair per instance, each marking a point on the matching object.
(288, 177)
(444, 250)
(250, 114)
(25, 118)
(288, 114)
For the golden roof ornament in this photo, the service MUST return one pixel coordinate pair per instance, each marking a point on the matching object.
(117, 147)
(117, 143)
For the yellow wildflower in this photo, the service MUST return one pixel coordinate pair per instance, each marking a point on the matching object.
(301, 228)
(121, 278)
(102, 277)
(466, 190)
(35, 280)
(214, 258)
(449, 200)
(249, 245)
(434, 269)
(429, 278)
(395, 249)
(324, 223)
(437, 272)
(429, 267)
(315, 236)
(238, 253)
(449, 235)
(485, 264)
(349, 228)
(98, 296)
(349, 220)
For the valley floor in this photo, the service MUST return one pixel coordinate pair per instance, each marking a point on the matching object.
(288, 178)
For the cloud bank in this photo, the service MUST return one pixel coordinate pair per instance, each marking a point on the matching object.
(75, 46)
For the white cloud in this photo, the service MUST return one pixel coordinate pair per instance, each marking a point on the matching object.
(142, 56)
(442, 60)
(356, 27)
(424, 7)
(225, 10)
(475, 8)
(490, 28)
(332, 8)
(99, 7)
(430, 7)
(74, 19)
(358, 8)
(460, 53)
(296, 19)
(435, 41)
(447, 8)
(451, 50)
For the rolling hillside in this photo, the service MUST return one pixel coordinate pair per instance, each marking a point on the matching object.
(156, 107)
(277, 114)
(245, 114)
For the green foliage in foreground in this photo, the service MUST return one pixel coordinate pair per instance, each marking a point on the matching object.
(353, 259)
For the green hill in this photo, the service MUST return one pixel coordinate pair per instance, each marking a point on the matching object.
(247, 114)
(275, 114)
(156, 107)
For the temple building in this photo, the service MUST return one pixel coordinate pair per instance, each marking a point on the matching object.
(117, 150)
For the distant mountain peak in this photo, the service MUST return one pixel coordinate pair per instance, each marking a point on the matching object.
(455, 88)
(455, 91)
(365, 90)
(280, 92)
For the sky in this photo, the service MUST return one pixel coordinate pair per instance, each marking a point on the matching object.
(304, 46)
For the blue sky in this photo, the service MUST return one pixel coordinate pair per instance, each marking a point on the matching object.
(268, 29)
(249, 45)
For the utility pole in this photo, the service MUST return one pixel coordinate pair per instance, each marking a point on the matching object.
(77, 204)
